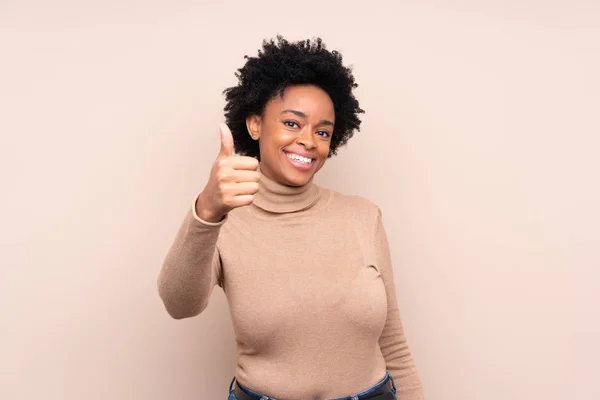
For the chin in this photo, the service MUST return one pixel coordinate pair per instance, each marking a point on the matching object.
(297, 178)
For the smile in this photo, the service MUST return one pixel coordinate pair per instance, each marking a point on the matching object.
(298, 158)
(300, 162)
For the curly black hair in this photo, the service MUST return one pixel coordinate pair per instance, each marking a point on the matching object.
(282, 64)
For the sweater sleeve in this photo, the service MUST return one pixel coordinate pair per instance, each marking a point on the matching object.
(392, 341)
(192, 267)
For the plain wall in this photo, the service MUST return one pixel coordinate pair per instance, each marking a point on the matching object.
(480, 144)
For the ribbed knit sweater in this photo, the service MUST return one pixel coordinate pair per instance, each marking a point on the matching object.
(308, 278)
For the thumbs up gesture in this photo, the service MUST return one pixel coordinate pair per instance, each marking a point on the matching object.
(232, 183)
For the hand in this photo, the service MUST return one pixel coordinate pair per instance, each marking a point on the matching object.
(232, 183)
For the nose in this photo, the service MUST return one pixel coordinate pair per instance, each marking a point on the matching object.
(306, 138)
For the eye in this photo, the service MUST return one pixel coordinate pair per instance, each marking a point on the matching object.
(323, 133)
(291, 124)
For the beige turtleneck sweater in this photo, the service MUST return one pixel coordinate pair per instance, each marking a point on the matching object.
(309, 283)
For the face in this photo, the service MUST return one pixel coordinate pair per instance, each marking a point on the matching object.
(294, 134)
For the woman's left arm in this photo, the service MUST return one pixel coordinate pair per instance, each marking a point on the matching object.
(392, 341)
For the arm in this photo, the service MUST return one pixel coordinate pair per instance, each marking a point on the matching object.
(192, 267)
(392, 341)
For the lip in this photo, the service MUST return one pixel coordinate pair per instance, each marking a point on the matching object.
(299, 165)
(303, 154)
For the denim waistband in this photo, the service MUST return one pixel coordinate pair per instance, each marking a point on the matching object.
(353, 396)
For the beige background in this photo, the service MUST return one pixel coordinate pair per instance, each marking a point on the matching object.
(480, 143)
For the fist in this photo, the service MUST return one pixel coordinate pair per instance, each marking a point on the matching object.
(232, 183)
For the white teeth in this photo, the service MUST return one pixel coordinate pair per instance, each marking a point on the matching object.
(299, 158)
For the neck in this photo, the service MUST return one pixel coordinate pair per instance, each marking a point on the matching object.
(279, 198)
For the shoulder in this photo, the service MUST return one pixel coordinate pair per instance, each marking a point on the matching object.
(354, 205)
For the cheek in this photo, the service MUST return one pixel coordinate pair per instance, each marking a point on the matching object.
(277, 140)
(270, 144)
(323, 153)
(324, 149)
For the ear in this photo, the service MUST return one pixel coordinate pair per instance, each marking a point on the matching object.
(253, 123)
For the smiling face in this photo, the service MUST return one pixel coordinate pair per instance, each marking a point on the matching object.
(294, 134)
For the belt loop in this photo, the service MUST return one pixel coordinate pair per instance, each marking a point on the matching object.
(393, 384)
(231, 384)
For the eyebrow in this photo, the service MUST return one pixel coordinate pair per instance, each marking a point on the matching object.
(301, 114)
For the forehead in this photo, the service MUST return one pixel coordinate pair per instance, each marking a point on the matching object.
(311, 100)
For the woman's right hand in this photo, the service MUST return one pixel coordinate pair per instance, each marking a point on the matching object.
(232, 183)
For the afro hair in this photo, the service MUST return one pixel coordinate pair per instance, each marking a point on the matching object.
(279, 65)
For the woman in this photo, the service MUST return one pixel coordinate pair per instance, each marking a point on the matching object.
(306, 270)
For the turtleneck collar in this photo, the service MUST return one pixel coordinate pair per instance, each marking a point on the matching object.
(278, 198)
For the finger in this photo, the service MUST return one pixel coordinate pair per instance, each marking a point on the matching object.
(245, 176)
(243, 162)
(240, 201)
(244, 188)
(226, 141)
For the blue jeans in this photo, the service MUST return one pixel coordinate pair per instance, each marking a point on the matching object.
(354, 396)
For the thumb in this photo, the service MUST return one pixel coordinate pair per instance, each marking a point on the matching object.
(226, 141)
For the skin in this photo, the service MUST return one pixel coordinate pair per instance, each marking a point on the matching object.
(300, 121)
